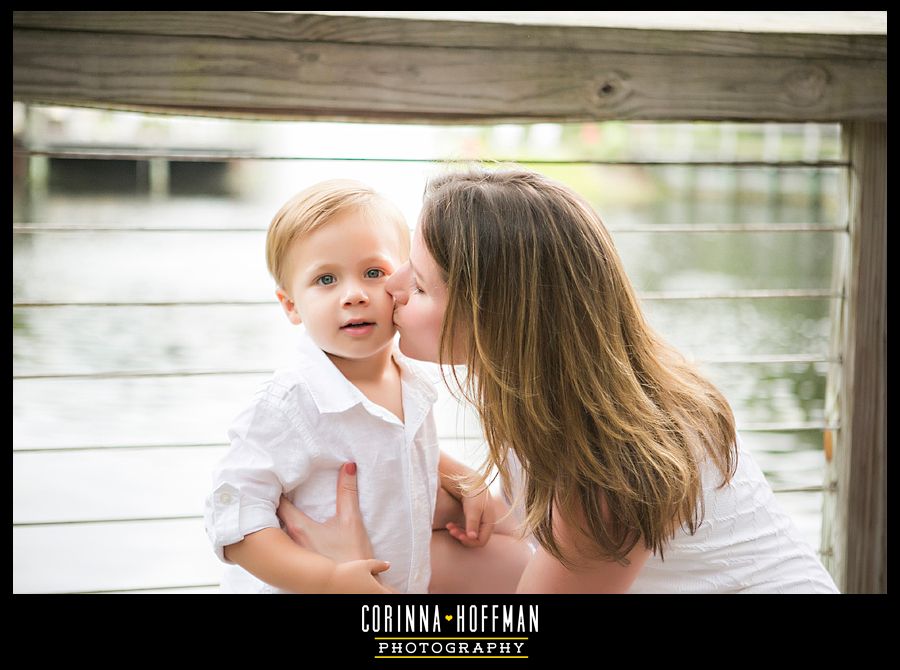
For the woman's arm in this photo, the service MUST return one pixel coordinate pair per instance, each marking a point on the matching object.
(544, 574)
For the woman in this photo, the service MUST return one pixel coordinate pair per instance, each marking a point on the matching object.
(620, 458)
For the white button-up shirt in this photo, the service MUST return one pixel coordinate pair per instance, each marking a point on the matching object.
(302, 425)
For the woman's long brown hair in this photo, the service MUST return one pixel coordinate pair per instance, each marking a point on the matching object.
(603, 415)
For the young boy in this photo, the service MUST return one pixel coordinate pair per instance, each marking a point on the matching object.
(347, 395)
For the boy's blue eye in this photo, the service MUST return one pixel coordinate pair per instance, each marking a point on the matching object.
(374, 273)
(326, 280)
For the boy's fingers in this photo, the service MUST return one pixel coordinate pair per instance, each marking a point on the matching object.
(347, 492)
(472, 524)
(459, 534)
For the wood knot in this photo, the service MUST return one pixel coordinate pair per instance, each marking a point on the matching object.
(806, 85)
(609, 89)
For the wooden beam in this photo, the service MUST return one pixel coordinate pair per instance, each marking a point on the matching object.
(855, 511)
(295, 66)
(312, 27)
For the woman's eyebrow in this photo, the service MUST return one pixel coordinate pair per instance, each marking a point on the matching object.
(415, 272)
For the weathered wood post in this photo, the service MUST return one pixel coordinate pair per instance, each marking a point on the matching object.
(854, 529)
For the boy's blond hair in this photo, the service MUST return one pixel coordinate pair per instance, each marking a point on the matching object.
(314, 207)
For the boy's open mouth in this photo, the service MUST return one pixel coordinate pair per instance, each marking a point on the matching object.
(357, 324)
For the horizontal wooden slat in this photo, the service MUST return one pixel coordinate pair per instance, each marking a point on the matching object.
(747, 294)
(625, 197)
(39, 229)
(127, 484)
(157, 303)
(234, 265)
(799, 426)
(146, 555)
(140, 555)
(169, 554)
(145, 445)
(110, 413)
(111, 484)
(273, 78)
(207, 588)
(622, 144)
(790, 469)
(296, 26)
(195, 410)
(698, 296)
(207, 156)
(798, 430)
(256, 190)
(110, 375)
(152, 411)
(133, 340)
(763, 359)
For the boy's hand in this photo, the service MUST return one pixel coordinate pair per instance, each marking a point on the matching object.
(479, 513)
(447, 509)
(358, 577)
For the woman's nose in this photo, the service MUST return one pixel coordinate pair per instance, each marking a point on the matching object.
(394, 286)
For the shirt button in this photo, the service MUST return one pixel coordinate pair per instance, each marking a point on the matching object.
(225, 498)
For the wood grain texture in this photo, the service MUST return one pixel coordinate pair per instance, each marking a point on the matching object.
(855, 524)
(312, 27)
(280, 78)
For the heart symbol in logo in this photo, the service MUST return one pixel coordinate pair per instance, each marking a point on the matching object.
(448, 617)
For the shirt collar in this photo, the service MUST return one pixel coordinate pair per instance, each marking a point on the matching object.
(333, 392)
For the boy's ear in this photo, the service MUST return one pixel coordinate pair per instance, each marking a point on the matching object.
(290, 309)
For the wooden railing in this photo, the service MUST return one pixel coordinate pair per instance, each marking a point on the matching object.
(307, 66)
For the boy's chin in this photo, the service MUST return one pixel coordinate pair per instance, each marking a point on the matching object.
(360, 352)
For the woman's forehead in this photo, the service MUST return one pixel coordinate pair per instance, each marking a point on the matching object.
(418, 253)
(422, 262)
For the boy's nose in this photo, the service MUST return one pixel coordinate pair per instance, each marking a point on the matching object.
(355, 296)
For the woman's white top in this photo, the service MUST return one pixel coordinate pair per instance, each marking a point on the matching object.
(746, 542)
(302, 425)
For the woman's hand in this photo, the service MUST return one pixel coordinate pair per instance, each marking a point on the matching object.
(341, 538)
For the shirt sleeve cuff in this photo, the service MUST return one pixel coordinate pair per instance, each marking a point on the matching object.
(228, 521)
